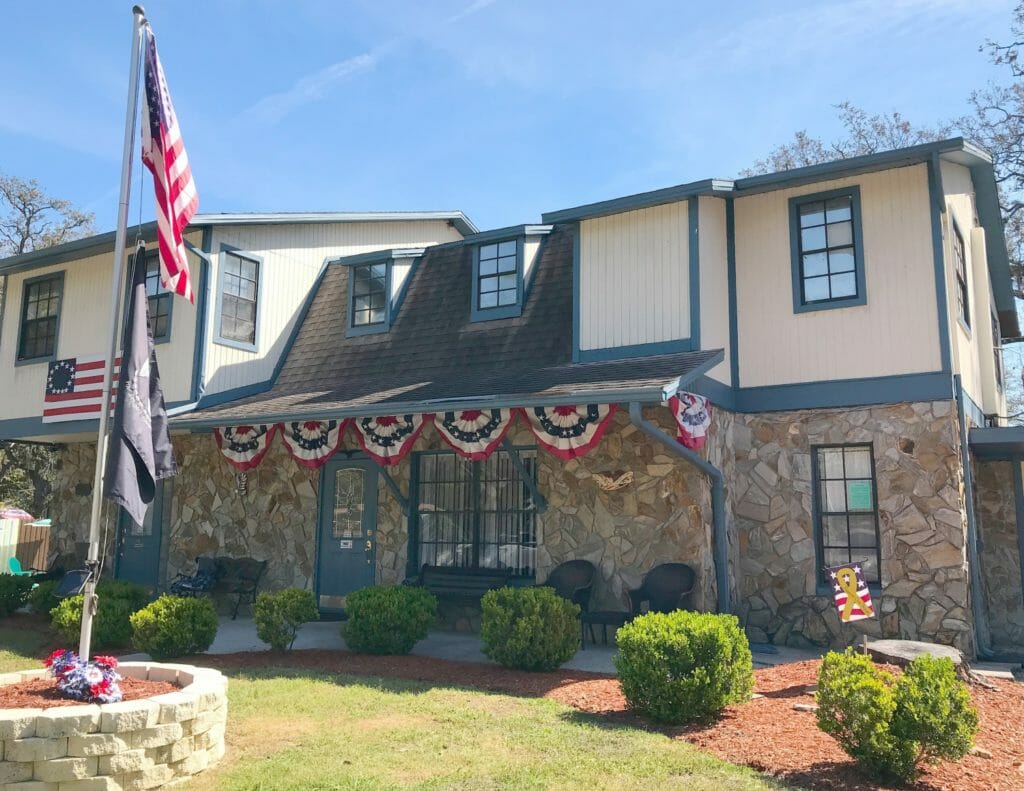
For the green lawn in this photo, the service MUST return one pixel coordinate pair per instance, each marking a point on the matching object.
(298, 730)
(21, 648)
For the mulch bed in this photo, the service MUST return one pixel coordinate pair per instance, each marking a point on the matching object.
(766, 733)
(41, 693)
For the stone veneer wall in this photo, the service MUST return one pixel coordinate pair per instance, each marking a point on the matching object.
(767, 465)
(71, 504)
(135, 744)
(1000, 554)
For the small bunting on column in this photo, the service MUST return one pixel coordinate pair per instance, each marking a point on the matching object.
(692, 414)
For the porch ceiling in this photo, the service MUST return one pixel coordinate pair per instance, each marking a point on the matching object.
(1006, 442)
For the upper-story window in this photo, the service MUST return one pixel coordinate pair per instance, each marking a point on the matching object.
(238, 308)
(846, 508)
(963, 304)
(41, 302)
(997, 350)
(497, 280)
(828, 266)
(369, 301)
(160, 300)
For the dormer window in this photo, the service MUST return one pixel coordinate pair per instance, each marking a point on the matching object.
(369, 295)
(377, 283)
(503, 269)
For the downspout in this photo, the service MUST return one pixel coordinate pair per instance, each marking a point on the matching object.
(199, 351)
(718, 526)
(981, 634)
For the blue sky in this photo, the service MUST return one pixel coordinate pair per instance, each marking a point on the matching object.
(501, 108)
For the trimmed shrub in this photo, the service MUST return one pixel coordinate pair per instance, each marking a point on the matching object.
(683, 666)
(388, 619)
(174, 626)
(110, 628)
(890, 725)
(41, 600)
(529, 628)
(279, 615)
(14, 592)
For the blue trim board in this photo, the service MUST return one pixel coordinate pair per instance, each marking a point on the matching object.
(936, 386)
(643, 200)
(223, 396)
(202, 308)
(861, 298)
(974, 412)
(986, 202)
(693, 250)
(499, 234)
(938, 203)
(20, 427)
(1018, 499)
(576, 283)
(730, 257)
(636, 350)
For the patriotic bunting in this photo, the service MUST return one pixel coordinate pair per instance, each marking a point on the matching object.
(387, 439)
(570, 431)
(474, 433)
(244, 446)
(693, 418)
(853, 600)
(312, 442)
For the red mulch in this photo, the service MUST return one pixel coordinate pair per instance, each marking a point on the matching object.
(41, 693)
(766, 733)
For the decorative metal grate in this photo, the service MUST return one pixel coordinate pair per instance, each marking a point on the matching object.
(476, 514)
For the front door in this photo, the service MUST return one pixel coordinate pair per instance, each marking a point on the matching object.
(138, 546)
(348, 531)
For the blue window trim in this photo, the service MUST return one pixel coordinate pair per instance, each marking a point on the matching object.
(354, 331)
(18, 359)
(963, 321)
(505, 311)
(821, 587)
(858, 251)
(225, 250)
(154, 254)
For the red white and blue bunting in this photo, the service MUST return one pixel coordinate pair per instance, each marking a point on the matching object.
(312, 442)
(569, 431)
(474, 433)
(387, 439)
(692, 414)
(244, 446)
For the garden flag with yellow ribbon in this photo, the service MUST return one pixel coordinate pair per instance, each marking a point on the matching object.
(851, 592)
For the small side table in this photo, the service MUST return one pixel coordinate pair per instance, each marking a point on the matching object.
(602, 618)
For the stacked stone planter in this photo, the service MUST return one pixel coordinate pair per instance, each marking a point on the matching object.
(137, 744)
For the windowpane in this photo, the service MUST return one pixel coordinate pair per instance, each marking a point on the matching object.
(831, 463)
(812, 214)
(488, 267)
(813, 238)
(841, 260)
(815, 289)
(858, 462)
(847, 519)
(839, 209)
(488, 251)
(844, 285)
(862, 531)
(815, 264)
(507, 248)
(834, 496)
(507, 297)
(835, 534)
(507, 281)
(840, 233)
(489, 300)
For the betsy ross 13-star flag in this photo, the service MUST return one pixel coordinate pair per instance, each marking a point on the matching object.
(139, 452)
(163, 153)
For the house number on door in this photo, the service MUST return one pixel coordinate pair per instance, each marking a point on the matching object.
(345, 544)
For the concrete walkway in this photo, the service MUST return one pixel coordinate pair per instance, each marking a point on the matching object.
(240, 635)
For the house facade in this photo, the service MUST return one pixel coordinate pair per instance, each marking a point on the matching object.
(359, 407)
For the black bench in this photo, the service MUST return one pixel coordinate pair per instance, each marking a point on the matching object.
(240, 578)
(458, 584)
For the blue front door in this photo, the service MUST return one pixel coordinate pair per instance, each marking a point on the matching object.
(138, 546)
(347, 532)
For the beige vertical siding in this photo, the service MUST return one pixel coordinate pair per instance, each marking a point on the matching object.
(896, 332)
(530, 249)
(714, 283)
(634, 277)
(84, 324)
(292, 257)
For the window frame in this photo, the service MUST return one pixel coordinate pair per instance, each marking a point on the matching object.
(997, 349)
(162, 293)
(477, 313)
(796, 259)
(225, 251)
(26, 284)
(353, 330)
(822, 585)
(414, 562)
(961, 278)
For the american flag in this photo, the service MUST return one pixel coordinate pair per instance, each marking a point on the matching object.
(74, 388)
(163, 152)
(852, 597)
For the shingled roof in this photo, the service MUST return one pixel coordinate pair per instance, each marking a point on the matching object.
(434, 358)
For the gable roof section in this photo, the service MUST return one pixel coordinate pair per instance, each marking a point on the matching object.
(433, 358)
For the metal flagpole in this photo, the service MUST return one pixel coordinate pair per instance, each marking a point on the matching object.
(93, 562)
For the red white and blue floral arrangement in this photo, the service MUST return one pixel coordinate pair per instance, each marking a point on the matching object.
(80, 679)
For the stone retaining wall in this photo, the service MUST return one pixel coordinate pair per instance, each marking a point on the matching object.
(1000, 554)
(139, 744)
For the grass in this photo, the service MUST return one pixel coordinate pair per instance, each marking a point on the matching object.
(296, 730)
(21, 648)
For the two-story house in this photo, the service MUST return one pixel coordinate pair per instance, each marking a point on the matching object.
(417, 392)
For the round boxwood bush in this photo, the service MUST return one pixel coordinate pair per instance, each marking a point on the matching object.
(529, 628)
(174, 626)
(683, 666)
(279, 615)
(111, 627)
(388, 619)
(14, 592)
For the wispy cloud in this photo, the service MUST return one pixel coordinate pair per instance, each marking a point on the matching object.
(313, 87)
